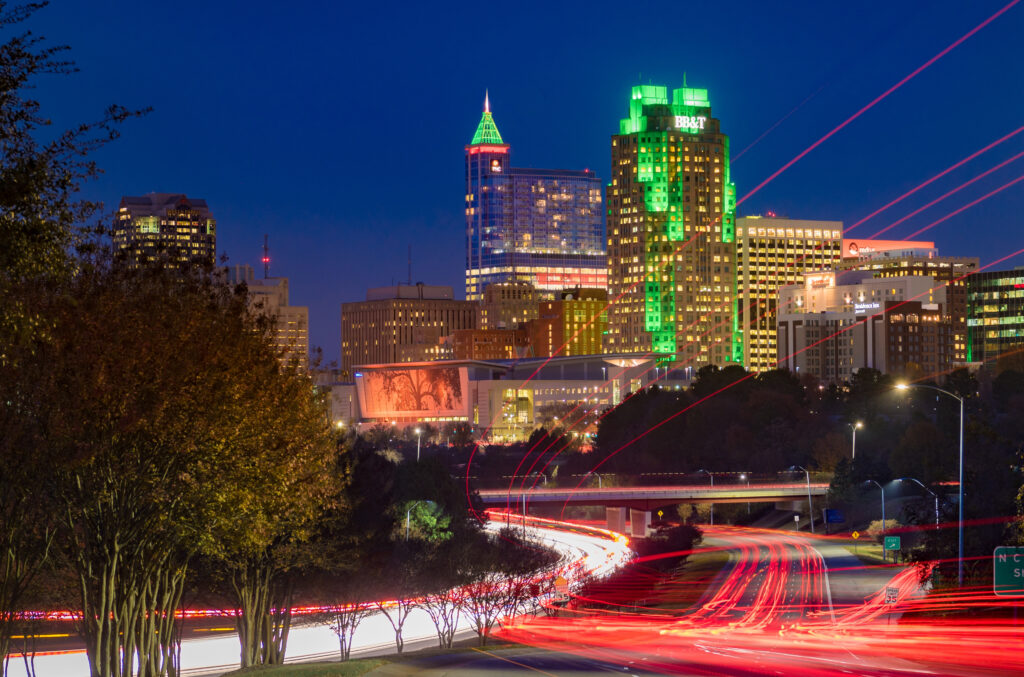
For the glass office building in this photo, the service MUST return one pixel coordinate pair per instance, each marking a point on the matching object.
(542, 226)
(995, 315)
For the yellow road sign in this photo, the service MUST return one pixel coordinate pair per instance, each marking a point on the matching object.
(855, 535)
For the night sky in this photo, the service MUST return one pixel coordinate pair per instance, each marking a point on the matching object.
(338, 128)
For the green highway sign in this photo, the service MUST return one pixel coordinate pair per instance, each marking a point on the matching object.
(1008, 571)
(892, 542)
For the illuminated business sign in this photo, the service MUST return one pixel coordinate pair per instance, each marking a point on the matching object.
(695, 122)
(820, 280)
(858, 307)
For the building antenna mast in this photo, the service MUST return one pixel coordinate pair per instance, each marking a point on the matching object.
(266, 257)
(410, 266)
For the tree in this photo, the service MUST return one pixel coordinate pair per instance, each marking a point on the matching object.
(150, 457)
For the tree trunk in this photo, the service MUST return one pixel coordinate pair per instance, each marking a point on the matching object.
(263, 616)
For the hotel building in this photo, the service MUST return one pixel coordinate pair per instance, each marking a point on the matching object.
(898, 325)
(671, 231)
(542, 226)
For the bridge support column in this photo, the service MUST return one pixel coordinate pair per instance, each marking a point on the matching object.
(639, 520)
(616, 518)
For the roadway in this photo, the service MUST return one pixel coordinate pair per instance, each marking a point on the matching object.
(210, 644)
(788, 604)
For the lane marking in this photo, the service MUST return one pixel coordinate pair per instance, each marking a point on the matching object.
(509, 660)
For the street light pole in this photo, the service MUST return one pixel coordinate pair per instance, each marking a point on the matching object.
(810, 505)
(882, 489)
(960, 499)
(418, 433)
(408, 514)
(853, 448)
(934, 495)
(743, 476)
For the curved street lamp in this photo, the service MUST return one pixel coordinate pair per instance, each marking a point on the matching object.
(810, 505)
(853, 448)
(418, 433)
(934, 495)
(960, 499)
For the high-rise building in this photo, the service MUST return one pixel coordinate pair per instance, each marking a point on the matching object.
(506, 305)
(269, 296)
(403, 323)
(671, 231)
(772, 252)
(995, 315)
(542, 226)
(168, 227)
(573, 325)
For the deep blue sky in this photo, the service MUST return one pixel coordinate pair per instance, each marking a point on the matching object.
(338, 128)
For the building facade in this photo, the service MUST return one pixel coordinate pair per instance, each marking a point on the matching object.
(269, 296)
(504, 400)
(489, 344)
(897, 325)
(671, 231)
(955, 272)
(772, 252)
(542, 226)
(506, 305)
(573, 325)
(995, 315)
(403, 323)
(167, 227)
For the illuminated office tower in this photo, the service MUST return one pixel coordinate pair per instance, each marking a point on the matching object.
(542, 226)
(165, 226)
(772, 252)
(671, 231)
(996, 317)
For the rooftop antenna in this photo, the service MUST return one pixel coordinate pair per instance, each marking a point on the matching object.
(410, 266)
(684, 78)
(266, 257)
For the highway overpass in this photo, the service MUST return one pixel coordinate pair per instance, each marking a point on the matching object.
(652, 498)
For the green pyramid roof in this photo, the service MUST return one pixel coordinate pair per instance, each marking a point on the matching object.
(487, 131)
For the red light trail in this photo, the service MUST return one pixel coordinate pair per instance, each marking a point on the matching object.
(780, 609)
(947, 194)
(877, 99)
(935, 178)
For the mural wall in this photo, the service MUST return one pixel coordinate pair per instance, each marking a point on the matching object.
(404, 392)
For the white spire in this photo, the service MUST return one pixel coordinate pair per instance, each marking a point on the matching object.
(487, 102)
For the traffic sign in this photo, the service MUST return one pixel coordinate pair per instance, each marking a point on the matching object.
(892, 595)
(561, 585)
(1008, 571)
(833, 516)
(892, 542)
(855, 535)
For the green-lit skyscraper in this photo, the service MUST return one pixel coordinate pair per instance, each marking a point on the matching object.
(671, 231)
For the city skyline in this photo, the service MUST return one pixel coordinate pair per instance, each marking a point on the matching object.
(314, 160)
